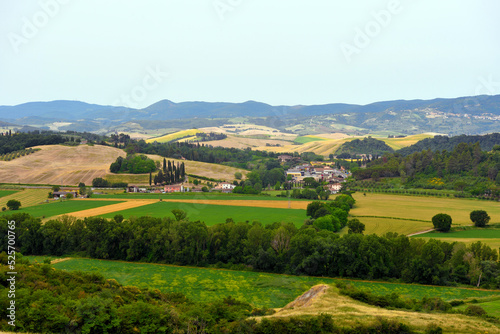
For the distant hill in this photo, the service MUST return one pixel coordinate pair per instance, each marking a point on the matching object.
(477, 114)
(364, 146)
(439, 143)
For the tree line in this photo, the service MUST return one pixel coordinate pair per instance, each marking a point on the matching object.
(169, 173)
(314, 249)
(21, 141)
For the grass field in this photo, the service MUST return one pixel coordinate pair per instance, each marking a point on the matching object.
(417, 207)
(216, 214)
(307, 139)
(60, 208)
(174, 136)
(381, 226)
(4, 193)
(27, 197)
(479, 233)
(260, 289)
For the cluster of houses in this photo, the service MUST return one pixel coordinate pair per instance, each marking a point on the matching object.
(224, 187)
(334, 177)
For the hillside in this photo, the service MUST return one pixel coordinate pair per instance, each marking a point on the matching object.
(70, 165)
(440, 143)
(475, 115)
(364, 146)
(57, 164)
(348, 312)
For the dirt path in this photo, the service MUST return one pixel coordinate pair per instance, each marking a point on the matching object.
(421, 232)
(110, 208)
(59, 260)
(307, 297)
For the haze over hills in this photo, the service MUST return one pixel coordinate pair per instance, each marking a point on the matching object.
(471, 115)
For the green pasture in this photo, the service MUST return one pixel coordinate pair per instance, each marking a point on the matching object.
(60, 207)
(383, 225)
(259, 289)
(193, 195)
(216, 214)
(307, 139)
(481, 233)
(4, 193)
(492, 307)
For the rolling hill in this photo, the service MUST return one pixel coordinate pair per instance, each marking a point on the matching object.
(70, 165)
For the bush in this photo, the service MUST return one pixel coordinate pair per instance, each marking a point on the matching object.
(442, 222)
(99, 182)
(475, 310)
(480, 218)
(13, 204)
(4, 208)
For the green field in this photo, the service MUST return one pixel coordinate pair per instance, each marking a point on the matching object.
(307, 139)
(260, 289)
(7, 192)
(479, 233)
(60, 208)
(216, 214)
(193, 195)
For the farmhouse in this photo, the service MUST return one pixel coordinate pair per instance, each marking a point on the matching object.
(175, 188)
(334, 188)
(132, 189)
(64, 194)
(224, 186)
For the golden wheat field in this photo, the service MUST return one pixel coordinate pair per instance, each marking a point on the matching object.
(58, 164)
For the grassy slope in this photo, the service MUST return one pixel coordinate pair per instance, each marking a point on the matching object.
(261, 289)
(216, 214)
(59, 208)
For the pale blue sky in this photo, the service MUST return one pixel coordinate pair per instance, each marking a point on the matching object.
(274, 51)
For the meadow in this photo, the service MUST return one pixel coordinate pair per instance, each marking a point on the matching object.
(174, 136)
(216, 214)
(259, 289)
(27, 197)
(7, 192)
(307, 139)
(60, 208)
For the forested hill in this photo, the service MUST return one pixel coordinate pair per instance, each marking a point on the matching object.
(439, 143)
(366, 146)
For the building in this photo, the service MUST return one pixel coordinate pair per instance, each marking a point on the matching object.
(224, 186)
(334, 188)
(175, 188)
(132, 189)
(64, 194)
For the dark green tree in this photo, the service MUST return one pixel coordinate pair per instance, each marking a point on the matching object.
(355, 226)
(480, 218)
(442, 222)
(13, 204)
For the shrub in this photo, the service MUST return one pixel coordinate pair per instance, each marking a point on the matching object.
(480, 218)
(475, 310)
(442, 222)
(4, 208)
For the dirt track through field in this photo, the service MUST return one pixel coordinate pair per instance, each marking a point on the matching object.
(111, 208)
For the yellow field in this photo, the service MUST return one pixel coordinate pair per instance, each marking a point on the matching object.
(233, 141)
(27, 197)
(415, 207)
(173, 136)
(348, 312)
(329, 146)
(57, 164)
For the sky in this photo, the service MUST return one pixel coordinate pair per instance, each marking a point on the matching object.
(280, 52)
